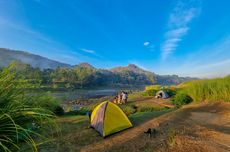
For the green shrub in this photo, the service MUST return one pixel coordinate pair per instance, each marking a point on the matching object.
(59, 111)
(128, 109)
(170, 92)
(181, 99)
(44, 100)
(150, 92)
(17, 115)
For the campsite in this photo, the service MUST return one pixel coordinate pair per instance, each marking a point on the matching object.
(114, 76)
(176, 127)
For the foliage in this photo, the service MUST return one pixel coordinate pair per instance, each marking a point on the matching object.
(171, 92)
(135, 96)
(59, 111)
(86, 76)
(20, 121)
(150, 92)
(128, 109)
(209, 90)
(152, 87)
(44, 100)
(181, 98)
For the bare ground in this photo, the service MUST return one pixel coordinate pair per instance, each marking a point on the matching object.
(194, 128)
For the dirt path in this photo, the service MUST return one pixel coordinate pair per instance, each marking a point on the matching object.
(203, 127)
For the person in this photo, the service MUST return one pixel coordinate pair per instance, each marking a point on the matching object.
(126, 97)
(115, 99)
(123, 97)
(119, 98)
(88, 113)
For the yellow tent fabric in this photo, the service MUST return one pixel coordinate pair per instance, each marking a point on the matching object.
(107, 118)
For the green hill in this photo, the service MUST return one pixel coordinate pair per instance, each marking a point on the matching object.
(60, 75)
(36, 61)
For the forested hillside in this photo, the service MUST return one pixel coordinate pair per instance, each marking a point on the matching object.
(55, 75)
(86, 76)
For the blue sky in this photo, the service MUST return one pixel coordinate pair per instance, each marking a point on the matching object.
(184, 37)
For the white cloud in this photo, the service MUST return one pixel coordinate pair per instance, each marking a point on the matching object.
(178, 22)
(88, 51)
(146, 43)
(211, 60)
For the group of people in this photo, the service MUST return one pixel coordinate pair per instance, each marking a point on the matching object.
(121, 97)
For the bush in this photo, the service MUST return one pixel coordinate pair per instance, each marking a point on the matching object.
(181, 99)
(17, 115)
(170, 92)
(44, 100)
(150, 92)
(128, 109)
(59, 111)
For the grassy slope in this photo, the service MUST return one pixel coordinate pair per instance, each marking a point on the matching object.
(76, 134)
(202, 127)
(208, 90)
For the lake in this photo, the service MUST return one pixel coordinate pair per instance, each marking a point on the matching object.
(90, 93)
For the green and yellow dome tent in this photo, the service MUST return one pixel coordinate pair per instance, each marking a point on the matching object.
(107, 118)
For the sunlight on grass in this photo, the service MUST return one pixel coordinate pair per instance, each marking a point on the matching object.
(208, 90)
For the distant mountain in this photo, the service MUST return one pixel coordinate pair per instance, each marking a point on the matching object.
(8, 55)
(151, 77)
(133, 72)
(84, 73)
(85, 65)
(171, 79)
(130, 67)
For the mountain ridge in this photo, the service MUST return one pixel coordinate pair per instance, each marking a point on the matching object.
(121, 74)
(36, 61)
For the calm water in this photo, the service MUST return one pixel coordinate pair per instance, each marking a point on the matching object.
(89, 93)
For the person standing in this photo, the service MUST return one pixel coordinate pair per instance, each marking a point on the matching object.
(123, 97)
(126, 97)
(119, 98)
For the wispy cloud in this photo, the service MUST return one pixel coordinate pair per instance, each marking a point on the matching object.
(149, 46)
(92, 52)
(181, 16)
(210, 60)
(88, 51)
(146, 43)
(25, 30)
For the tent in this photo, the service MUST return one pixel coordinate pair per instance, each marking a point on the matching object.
(162, 94)
(107, 118)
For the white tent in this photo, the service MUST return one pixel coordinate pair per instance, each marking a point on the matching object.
(162, 94)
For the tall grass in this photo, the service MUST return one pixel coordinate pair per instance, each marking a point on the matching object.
(153, 87)
(20, 122)
(209, 90)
